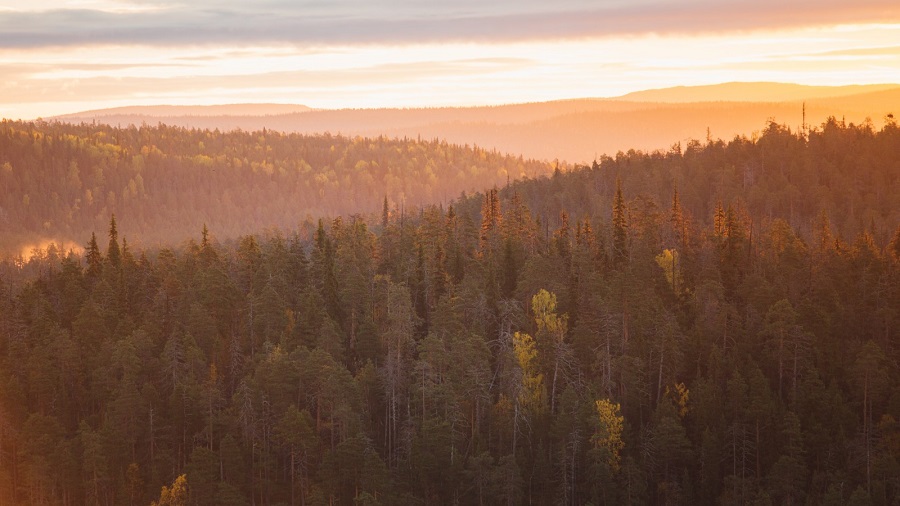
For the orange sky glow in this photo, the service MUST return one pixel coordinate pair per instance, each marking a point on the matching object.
(58, 58)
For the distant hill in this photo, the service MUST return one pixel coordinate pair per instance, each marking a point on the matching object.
(730, 300)
(60, 182)
(750, 92)
(573, 130)
(158, 111)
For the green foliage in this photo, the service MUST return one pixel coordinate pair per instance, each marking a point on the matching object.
(737, 349)
(163, 183)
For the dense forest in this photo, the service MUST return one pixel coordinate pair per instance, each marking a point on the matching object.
(715, 324)
(60, 181)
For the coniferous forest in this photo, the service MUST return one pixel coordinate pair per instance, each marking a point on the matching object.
(61, 181)
(714, 324)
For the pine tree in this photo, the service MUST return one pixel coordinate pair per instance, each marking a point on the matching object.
(208, 254)
(113, 255)
(719, 222)
(620, 228)
(453, 249)
(509, 270)
(420, 292)
(679, 223)
(562, 238)
(824, 237)
(94, 258)
(439, 275)
(491, 218)
(323, 270)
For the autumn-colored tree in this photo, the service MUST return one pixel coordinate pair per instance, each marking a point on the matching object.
(174, 495)
(607, 437)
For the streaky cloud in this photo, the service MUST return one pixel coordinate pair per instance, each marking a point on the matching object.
(95, 88)
(402, 22)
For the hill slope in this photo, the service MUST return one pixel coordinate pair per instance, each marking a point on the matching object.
(62, 181)
(168, 111)
(750, 92)
(573, 130)
(692, 346)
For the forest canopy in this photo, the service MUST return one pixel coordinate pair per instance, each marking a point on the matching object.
(61, 182)
(717, 323)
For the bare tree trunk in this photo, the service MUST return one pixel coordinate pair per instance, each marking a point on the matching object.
(659, 384)
(515, 428)
(780, 361)
(794, 384)
(553, 389)
(152, 439)
(866, 415)
(608, 368)
(758, 472)
(293, 472)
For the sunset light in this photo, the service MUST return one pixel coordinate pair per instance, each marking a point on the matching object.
(455, 252)
(59, 59)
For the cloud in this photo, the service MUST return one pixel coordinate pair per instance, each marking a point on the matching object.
(383, 75)
(320, 22)
(890, 51)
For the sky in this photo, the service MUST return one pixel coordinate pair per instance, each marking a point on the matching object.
(59, 57)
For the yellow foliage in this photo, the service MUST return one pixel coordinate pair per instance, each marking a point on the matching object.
(532, 394)
(177, 495)
(609, 432)
(544, 306)
(682, 395)
(670, 263)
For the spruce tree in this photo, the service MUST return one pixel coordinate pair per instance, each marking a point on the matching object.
(94, 258)
(620, 228)
(113, 255)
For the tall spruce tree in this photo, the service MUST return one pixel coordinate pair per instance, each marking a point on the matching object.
(620, 227)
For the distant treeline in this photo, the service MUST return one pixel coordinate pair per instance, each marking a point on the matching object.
(651, 330)
(59, 181)
(574, 130)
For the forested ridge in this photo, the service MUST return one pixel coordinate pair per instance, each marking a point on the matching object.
(61, 181)
(715, 324)
(575, 130)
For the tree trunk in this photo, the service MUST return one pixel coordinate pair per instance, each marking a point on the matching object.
(780, 361)
(553, 388)
(608, 368)
(659, 380)
(866, 415)
(515, 427)
(794, 383)
(758, 472)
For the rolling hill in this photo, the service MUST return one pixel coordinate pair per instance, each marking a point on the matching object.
(573, 130)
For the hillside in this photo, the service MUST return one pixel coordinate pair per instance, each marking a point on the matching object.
(60, 181)
(169, 111)
(577, 131)
(711, 325)
(751, 92)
